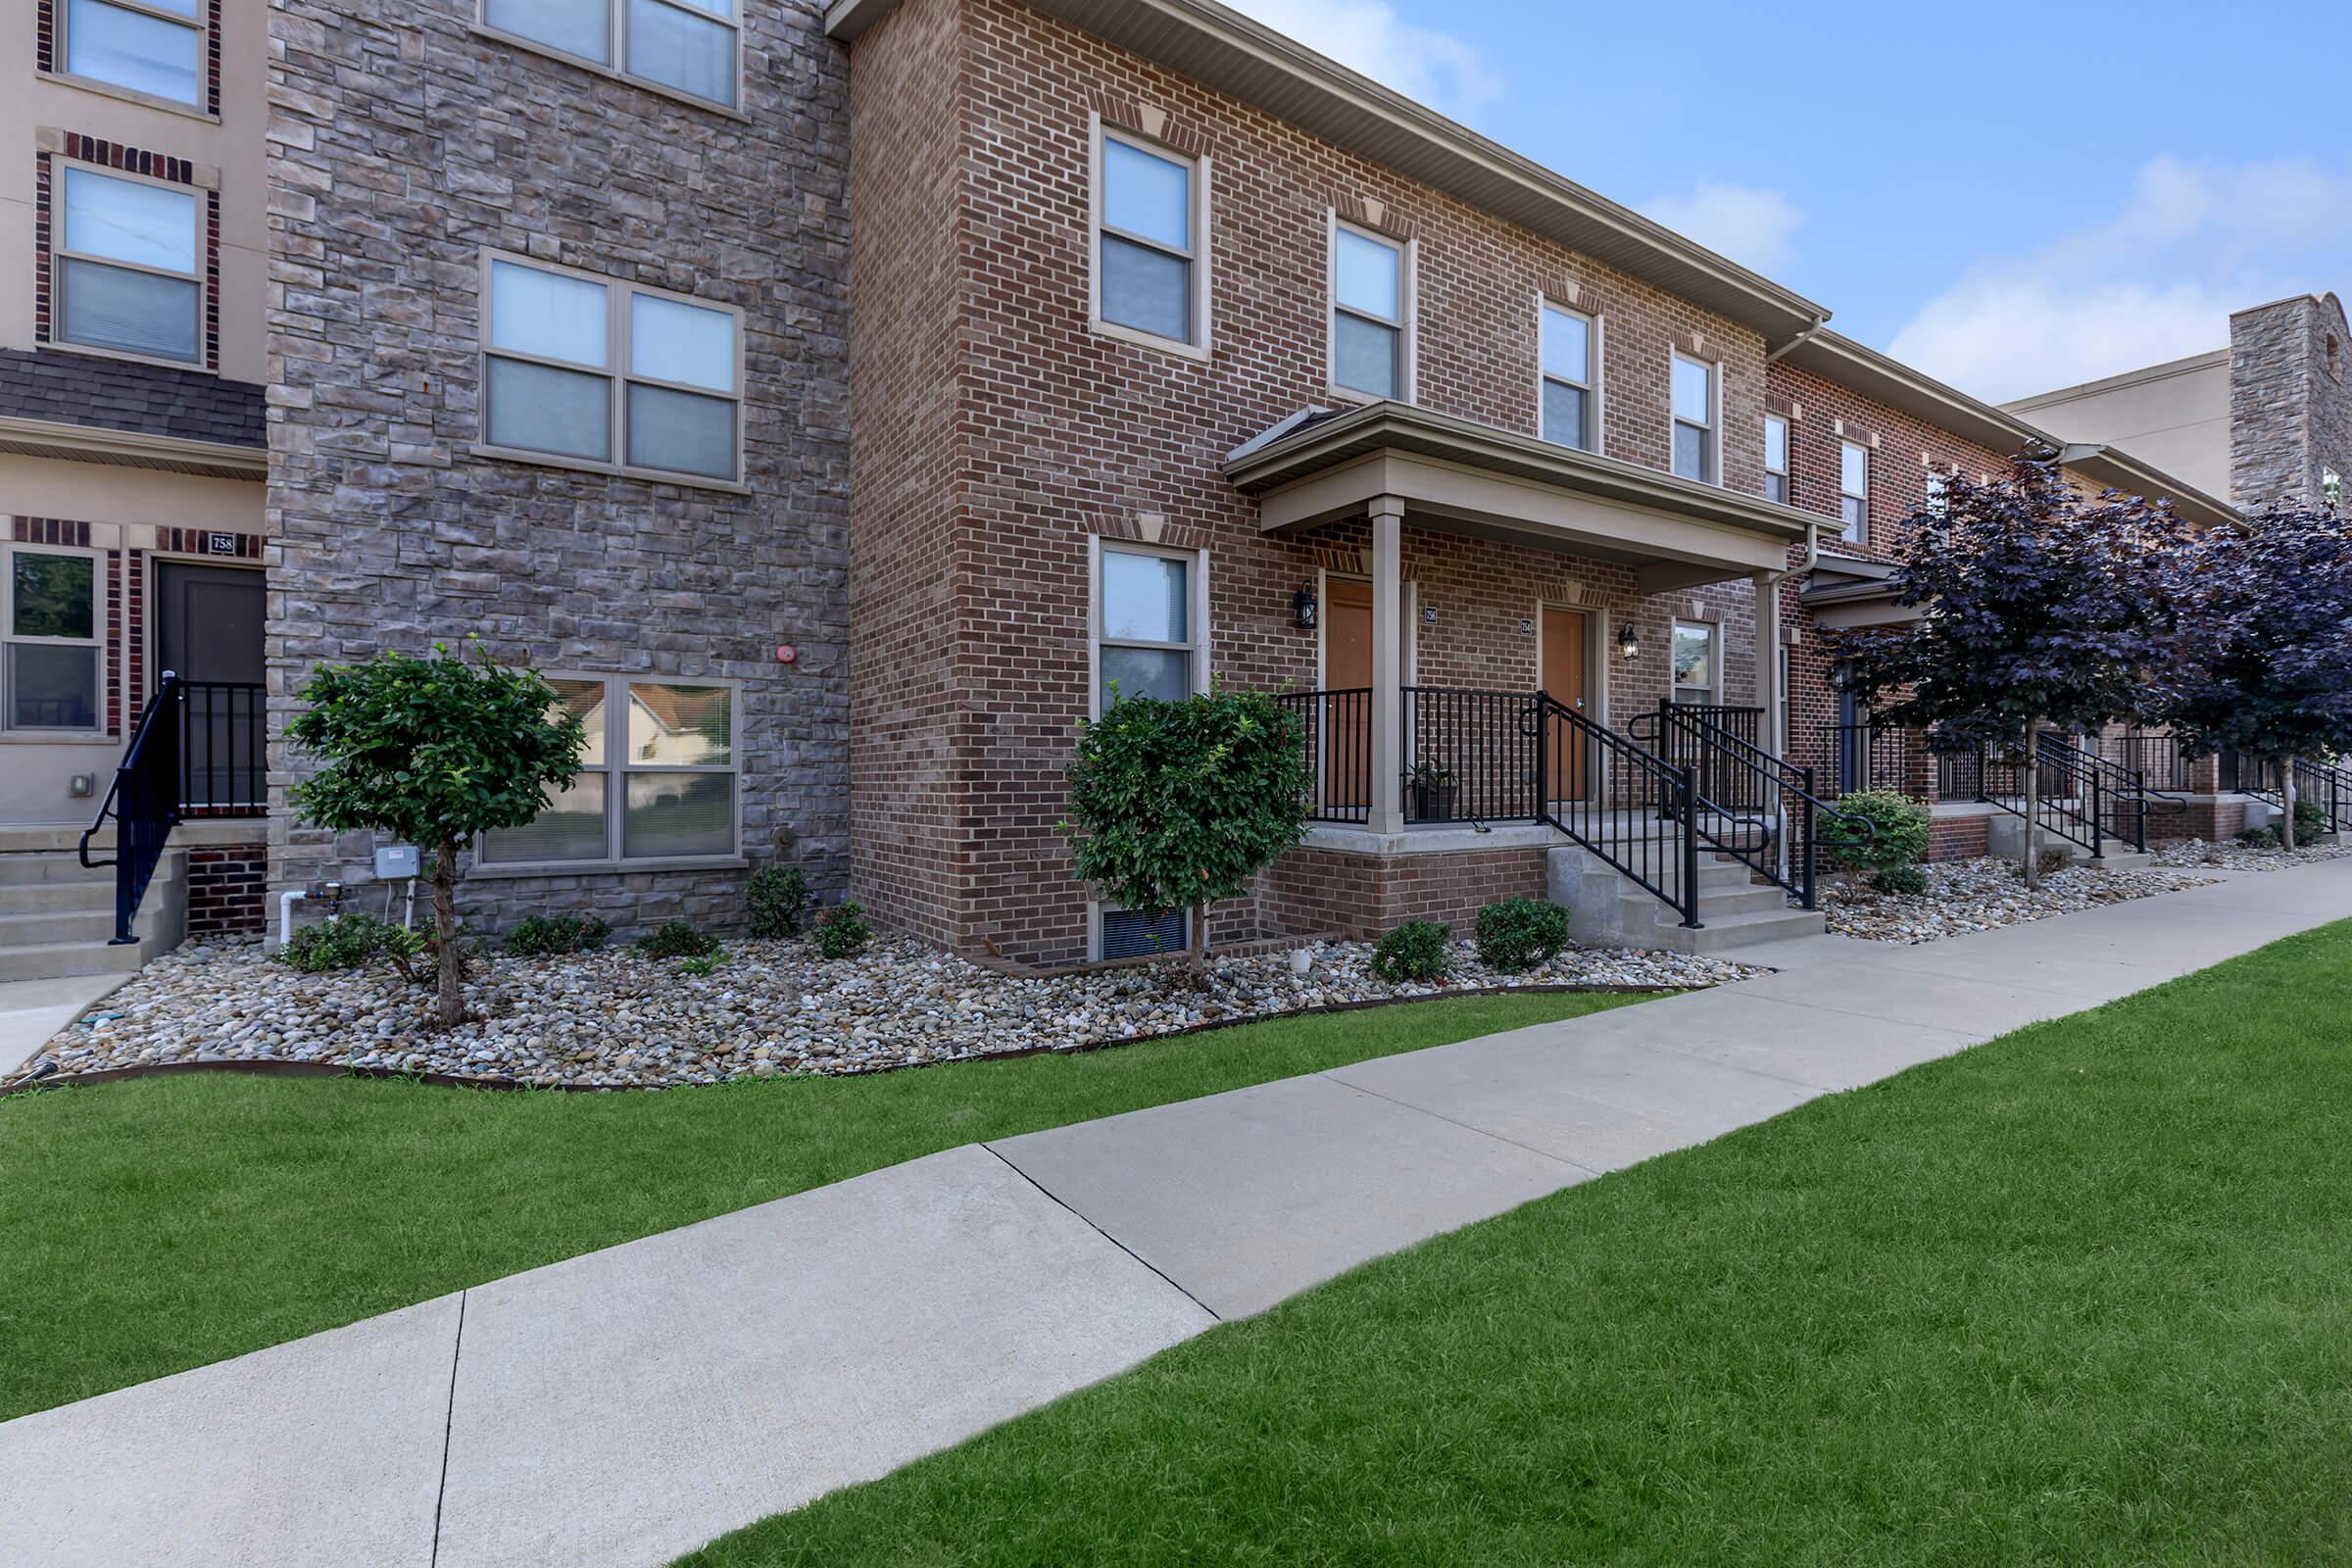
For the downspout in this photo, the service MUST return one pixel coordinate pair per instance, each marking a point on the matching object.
(1771, 355)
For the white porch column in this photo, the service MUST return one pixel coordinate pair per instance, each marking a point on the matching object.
(1770, 729)
(1388, 664)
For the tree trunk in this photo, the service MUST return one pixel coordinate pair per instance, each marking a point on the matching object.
(2287, 793)
(2033, 865)
(449, 1008)
(1199, 943)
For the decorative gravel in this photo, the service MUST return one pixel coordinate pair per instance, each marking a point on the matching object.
(614, 1018)
(2246, 857)
(1980, 894)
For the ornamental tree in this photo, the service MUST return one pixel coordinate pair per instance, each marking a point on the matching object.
(2263, 667)
(1176, 805)
(433, 751)
(2039, 607)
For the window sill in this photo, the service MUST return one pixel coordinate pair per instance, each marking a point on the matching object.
(57, 737)
(504, 871)
(1151, 340)
(597, 67)
(484, 451)
(68, 346)
(132, 95)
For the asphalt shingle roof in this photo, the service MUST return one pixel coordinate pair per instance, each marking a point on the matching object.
(123, 395)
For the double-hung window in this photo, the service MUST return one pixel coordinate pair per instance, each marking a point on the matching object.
(1371, 309)
(1775, 458)
(1568, 405)
(1853, 490)
(49, 636)
(1146, 642)
(1147, 256)
(1696, 678)
(129, 266)
(603, 373)
(658, 780)
(687, 46)
(148, 46)
(1939, 504)
(1695, 454)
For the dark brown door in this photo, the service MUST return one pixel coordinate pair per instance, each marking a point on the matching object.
(207, 631)
(1563, 675)
(1348, 667)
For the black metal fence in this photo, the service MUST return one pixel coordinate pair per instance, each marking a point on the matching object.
(1470, 755)
(1339, 748)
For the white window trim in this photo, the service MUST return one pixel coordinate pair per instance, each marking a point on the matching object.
(1592, 370)
(59, 255)
(617, 44)
(97, 641)
(617, 293)
(616, 767)
(1715, 688)
(1408, 345)
(1197, 591)
(1197, 308)
(199, 25)
(1714, 370)
(1860, 532)
(1786, 471)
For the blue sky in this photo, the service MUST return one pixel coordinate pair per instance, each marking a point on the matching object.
(2011, 197)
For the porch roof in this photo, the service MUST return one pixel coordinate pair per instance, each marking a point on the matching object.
(1465, 477)
(1847, 591)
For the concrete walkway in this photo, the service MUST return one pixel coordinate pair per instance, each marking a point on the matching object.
(33, 1011)
(628, 1406)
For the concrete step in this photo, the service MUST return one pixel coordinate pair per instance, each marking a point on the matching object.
(55, 925)
(41, 837)
(48, 961)
(22, 868)
(1715, 903)
(1725, 936)
(42, 898)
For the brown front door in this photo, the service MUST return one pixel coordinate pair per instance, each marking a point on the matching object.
(1348, 667)
(1563, 677)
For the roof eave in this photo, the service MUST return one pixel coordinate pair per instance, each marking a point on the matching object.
(84, 443)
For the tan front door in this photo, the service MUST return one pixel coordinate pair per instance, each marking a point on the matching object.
(1348, 667)
(1563, 676)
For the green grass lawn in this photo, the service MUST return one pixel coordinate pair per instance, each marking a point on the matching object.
(2081, 1296)
(152, 1226)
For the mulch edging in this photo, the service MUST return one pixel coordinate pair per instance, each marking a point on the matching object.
(275, 1067)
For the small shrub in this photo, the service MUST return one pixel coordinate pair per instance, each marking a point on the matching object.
(1898, 835)
(776, 897)
(842, 932)
(1518, 933)
(538, 936)
(708, 965)
(2052, 860)
(342, 944)
(1908, 880)
(2259, 838)
(2309, 821)
(678, 938)
(1413, 950)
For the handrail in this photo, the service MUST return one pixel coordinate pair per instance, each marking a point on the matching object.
(145, 802)
(1602, 792)
(2327, 787)
(2114, 785)
(1769, 792)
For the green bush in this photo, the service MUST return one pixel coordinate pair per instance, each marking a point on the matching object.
(1413, 950)
(2309, 823)
(538, 936)
(708, 965)
(346, 944)
(1898, 835)
(1519, 933)
(678, 938)
(776, 897)
(1906, 879)
(842, 932)
(2258, 838)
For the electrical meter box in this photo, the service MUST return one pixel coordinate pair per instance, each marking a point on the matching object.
(394, 862)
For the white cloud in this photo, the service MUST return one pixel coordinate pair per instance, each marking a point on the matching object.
(2157, 280)
(1751, 226)
(1369, 37)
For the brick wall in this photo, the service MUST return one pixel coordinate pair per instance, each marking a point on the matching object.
(1311, 891)
(403, 145)
(225, 890)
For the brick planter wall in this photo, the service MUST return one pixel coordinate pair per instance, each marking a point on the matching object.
(1360, 896)
(226, 890)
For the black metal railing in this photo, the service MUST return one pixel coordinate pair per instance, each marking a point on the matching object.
(1339, 748)
(1469, 755)
(199, 750)
(1754, 808)
(2327, 785)
(2159, 759)
(1849, 758)
(2121, 798)
(1623, 805)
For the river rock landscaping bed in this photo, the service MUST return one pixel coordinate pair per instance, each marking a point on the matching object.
(615, 1018)
(1980, 894)
(2245, 857)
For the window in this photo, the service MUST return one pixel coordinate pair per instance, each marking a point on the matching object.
(1371, 300)
(1853, 489)
(1694, 419)
(1146, 642)
(149, 46)
(1775, 458)
(1148, 249)
(1937, 505)
(127, 266)
(49, 616)
(1568, 379)
(687, 46)
(553, 340)
(1695, 674)
(656, 781)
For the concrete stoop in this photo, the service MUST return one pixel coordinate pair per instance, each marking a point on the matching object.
(2004, 839)
(1605, 908)
(56, 916)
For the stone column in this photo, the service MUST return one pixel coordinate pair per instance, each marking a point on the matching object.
(1388, 664)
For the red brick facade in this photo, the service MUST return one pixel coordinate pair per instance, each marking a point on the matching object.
(225, 886)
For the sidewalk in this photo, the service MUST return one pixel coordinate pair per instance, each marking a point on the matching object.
(628, 1406)
(31, 1010)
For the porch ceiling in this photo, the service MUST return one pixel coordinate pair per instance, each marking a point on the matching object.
(1460, 476)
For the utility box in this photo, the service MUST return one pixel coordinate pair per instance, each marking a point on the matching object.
(396, 861)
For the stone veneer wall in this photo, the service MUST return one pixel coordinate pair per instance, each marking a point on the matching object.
(403, 145)
(2290, 400)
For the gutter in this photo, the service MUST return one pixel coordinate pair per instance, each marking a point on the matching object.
(132, 448)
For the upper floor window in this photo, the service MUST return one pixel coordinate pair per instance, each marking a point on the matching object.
(128, 265)
(1694, 453)
(1371, 305)
(1775, 458)
(1568, 379)
(49, 632)
(610, 376)
(687, 46)
(1853, 489)
(1148, 251)
(1937, 504)
(149, 46)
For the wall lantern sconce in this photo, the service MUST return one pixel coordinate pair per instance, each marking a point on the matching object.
(1842, 675)
(1303, 604)
(1629, 645)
